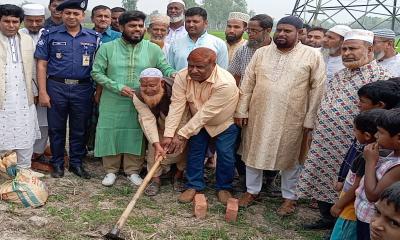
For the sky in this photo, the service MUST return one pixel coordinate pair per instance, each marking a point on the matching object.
(269, 7)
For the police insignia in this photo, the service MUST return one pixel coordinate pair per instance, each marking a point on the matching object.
(83, 4)
(58, 55)
(41, 42)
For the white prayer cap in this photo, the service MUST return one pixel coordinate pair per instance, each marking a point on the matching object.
(384, 33)
(151, 72)
(360, 34)
(160, 18)
(340, 29)
(239, 16)
(177, 1)
(33, 9)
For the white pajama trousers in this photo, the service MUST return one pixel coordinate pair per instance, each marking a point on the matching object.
(24, 158)
(40, 144)
(289, 180)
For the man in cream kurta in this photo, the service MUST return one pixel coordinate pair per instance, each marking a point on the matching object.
(281, 91)
(18, 122)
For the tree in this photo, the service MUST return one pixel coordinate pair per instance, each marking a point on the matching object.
(129, 4)
(218, 10)
(190, 3)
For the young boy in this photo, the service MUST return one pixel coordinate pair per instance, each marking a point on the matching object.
(379, 94)
(364, 131)
(380, 172)
(385, 225)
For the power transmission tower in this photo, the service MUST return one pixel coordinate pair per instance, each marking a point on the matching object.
(367, 14)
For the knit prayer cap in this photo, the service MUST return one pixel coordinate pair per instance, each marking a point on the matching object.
(384, 33)
(239, 16)
(292, 20)
(151, 72)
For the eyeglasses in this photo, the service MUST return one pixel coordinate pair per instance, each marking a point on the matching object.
(253, 30)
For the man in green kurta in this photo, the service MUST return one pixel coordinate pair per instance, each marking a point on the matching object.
(117, 67)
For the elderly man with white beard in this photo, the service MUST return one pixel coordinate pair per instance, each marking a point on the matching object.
(331, 48)
(176, 12)
(385, 51)
(152, 102)
(333, 133)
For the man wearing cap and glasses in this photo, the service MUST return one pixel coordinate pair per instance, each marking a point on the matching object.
(385, 51)
(332, 50)
(65, 57)
(235, 27)
(176, 12)
(281, 91)
(333, 133)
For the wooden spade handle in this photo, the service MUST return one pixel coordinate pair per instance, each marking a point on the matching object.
(122, 220)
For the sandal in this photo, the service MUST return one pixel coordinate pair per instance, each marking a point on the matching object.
(287, 208)
(152, 189)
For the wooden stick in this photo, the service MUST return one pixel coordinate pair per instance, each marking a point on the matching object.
(122, 220)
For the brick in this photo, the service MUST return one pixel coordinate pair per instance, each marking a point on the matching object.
(232, 208)
(200, 206)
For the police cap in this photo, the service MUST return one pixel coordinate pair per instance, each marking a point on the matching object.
(73, 4)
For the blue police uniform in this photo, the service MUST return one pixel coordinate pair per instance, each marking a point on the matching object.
(70, 88)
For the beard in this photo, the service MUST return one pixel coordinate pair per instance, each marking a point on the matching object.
(232, 39)
(283, 44)
(153, 101)
(160, 42)
(176, 19)
(130, 40)
(356, 63)
(379, 55)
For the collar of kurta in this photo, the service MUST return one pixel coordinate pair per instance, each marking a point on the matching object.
(211, 78)
(129, 45)
(178, 29)
(201, 37)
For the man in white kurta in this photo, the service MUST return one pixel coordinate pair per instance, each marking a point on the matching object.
(34, 22)
(385, 51)
(281, 91)
(18, 122)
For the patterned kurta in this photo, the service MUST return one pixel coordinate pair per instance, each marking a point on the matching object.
(281, 92)
(333, 134)
(232, 49)
(119, 64)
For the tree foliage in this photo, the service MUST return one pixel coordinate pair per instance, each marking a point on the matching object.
(190, 3)
(129, 4)
(218, 10)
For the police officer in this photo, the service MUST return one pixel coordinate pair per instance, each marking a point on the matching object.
(64, 60)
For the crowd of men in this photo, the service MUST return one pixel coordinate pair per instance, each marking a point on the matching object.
(266, 106)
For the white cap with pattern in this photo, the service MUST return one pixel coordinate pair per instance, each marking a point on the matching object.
(151, 72)
(340, 29)
(239, 16)
(177, 1)
(360, 34)
(33, 9)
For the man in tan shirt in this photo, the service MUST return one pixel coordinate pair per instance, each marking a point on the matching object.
(152, 102)
(212, 96)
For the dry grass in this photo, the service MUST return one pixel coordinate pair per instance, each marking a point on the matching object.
(81, 209)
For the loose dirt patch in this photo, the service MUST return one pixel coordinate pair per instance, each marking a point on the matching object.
(84, 209)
